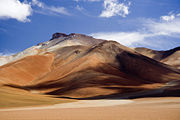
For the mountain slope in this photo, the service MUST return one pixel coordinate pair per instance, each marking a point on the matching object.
(27, 69)
(170, 57)
(57, 41)
(86, 67)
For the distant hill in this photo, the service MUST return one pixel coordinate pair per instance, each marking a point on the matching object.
(170, 57)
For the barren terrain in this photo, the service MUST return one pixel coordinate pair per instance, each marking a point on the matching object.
(77, 77)
(140, 109)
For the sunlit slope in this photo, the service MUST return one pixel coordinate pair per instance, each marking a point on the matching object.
(90, 68)
(25, 70)
(105, 69)
(12, 97)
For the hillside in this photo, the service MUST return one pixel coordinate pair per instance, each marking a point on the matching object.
(79, 66)
(170, 57)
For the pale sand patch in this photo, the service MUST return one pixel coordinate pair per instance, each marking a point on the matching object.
(93, 103)
(79, 104)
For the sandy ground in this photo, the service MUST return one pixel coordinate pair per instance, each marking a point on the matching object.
(79, 104)
(139, 109)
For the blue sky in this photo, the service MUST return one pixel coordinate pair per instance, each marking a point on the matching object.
(135, 23)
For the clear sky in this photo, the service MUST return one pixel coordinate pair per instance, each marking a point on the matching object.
(135, 23)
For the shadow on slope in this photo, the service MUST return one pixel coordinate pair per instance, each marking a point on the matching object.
(119, 72)
(173, 91)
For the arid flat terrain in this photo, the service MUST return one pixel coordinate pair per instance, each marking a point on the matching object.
(167, 108)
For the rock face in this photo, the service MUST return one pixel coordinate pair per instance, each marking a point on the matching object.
(57, 35)
(80, 66)
(61, 40)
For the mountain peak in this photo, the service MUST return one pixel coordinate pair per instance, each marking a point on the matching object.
(57, 35)
(59, 40)
(63, 35)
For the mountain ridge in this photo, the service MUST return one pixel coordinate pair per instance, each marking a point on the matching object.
(170, 57)
(90, 68)
(58, 40)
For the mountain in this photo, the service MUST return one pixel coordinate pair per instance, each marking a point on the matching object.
(170, 57)
(79, 66)
(58, 40)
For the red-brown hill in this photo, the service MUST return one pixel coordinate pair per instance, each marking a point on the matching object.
(104, 68)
